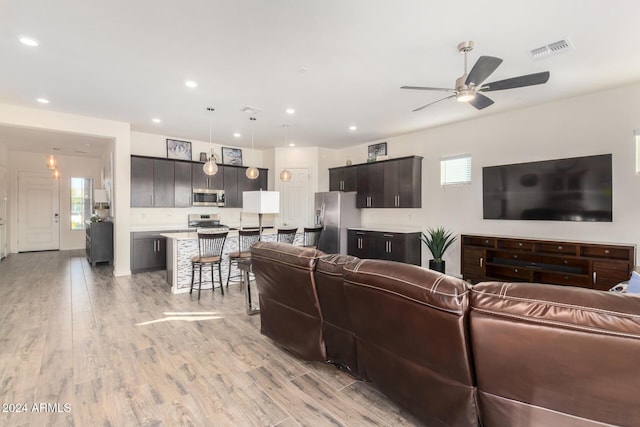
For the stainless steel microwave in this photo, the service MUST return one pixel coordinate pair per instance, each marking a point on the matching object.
(207, 197)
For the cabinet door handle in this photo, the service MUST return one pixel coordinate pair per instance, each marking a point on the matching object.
(595, 277)
(390, 248)
(481, 261)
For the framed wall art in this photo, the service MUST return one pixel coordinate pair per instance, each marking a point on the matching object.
(231, 156)
(377, 150)
(180, 150)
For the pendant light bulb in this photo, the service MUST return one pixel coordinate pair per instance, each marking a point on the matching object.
(56, 173)
(210, 167)
(285, 175)
(252, 172)
(51, 162)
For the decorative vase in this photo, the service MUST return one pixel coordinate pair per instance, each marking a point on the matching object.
(437, 265)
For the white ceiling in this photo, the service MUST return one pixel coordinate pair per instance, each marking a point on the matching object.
(336, 62)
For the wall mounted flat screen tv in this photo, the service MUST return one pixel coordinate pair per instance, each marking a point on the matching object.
(574, 189)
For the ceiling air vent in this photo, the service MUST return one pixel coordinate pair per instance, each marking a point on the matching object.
(561, 46)
(251, 110)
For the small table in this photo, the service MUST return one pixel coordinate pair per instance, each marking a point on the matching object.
(245, 266)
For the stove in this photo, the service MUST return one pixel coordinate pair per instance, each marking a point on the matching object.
(209, 223)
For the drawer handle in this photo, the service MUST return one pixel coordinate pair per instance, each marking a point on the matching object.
(515, 256)
(520, 244)
(560, 247)
(566, 277)
(606, 251)
(515, 270)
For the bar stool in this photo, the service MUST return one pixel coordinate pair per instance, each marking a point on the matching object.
(246, 238)
(210, 247)
(287, 235)
(311, 236)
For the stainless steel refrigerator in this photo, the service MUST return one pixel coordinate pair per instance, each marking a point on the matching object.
(335, 211)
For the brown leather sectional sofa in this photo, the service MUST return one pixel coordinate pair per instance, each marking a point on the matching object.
(492, 354)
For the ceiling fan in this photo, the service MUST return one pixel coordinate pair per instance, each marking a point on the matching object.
(469, 85)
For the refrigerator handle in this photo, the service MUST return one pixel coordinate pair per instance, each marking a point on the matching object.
(322, 212)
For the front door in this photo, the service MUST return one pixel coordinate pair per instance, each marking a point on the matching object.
(296, 200)
(38, 212)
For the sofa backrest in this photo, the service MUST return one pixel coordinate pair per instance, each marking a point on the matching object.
(555, 355)
(337, 327)
(411, 338)
(289, 307)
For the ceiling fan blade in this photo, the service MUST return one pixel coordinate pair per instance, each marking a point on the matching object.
(444, 89)
(484, 66)
(434, 102)
(480, 101)
(514, 82)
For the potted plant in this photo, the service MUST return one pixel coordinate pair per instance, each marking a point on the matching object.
(438, 241)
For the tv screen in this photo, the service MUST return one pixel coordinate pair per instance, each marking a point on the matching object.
(574, 189)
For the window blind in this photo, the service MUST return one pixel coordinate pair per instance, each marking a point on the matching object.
(455, 170)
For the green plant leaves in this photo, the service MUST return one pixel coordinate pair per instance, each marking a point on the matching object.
(438, 241)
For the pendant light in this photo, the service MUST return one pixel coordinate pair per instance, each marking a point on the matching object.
(285, 175)
(210, 167)
(56, 173)
(252, 172)
(51, 162)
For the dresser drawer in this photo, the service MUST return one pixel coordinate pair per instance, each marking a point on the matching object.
(605, 252)
(517, 244)
(486, 242)
(565, 279)
(514, 273)
(558, 248)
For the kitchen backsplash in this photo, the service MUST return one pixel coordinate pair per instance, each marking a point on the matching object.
(161, 218)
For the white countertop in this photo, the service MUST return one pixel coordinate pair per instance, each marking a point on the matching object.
(194, 235)
(136, 228)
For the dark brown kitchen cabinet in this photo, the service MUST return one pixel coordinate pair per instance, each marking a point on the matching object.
(203, 181)
(343, 178)
(182, 184)
(392, 246)
(153, 182)
(403, 183)
(141, 182)
(148, 251)
(236, 182)
(370, 179)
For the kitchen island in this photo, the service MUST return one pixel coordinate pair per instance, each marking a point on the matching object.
(181, 247)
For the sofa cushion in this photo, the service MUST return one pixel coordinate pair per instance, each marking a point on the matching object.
(411, 338)
(337, 327)
(555, 355)
(289, 307)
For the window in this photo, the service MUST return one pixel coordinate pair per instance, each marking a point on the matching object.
(637, 133)
(81, 202)
(455, 170)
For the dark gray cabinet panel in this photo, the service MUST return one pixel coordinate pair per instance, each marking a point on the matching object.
(403, 183)
(148, 251)
(182, 187)
(231, 199)
(163, 183)
(141, 182)
(401, 247)
(236, 182)
(343, 178)
(99, 242)
(370, 178)
(202, 180)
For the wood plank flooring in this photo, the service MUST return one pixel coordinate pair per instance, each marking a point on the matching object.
(79, 347)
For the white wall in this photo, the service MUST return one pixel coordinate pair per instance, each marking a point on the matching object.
(597, 123)
(70, 167)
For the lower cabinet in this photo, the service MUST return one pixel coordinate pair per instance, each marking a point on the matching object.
(148, 251)
(392, 246)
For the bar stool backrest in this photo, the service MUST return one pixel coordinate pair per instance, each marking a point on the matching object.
(246, 238)
(210, 244)
(287, 235)
(312, 236)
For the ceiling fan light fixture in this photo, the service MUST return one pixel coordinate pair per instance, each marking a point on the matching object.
(465, 95)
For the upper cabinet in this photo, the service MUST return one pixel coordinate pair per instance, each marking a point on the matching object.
(236, 182)
(153, 182)
(343, 178)
(395, 183)
(202, 180)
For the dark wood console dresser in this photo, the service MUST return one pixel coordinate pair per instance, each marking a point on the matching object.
(588, 265)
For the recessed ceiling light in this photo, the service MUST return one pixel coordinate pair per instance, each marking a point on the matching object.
(290, 111)
(29, 42)
(292, 144)
(353, 127)
(43, 101)
(236, 135)
(156, 120)
(191, 83)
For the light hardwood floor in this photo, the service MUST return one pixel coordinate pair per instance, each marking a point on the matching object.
(76, 338)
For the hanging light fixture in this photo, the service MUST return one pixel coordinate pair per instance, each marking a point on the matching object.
(285, 175)
(252, 172)
(56, 173)
(51, 162)
(210, 167)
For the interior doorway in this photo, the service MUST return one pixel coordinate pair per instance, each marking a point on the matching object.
(38, 212)
(4, 223)
(295, 199)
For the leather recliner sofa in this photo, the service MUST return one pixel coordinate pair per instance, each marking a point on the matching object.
(492, 354)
